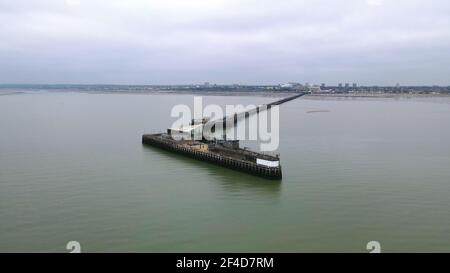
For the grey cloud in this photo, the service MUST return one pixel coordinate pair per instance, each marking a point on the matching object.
(247, 41)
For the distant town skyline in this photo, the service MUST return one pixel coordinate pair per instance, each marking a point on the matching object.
(253, 42)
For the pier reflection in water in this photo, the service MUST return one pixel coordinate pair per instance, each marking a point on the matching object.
(231, 182)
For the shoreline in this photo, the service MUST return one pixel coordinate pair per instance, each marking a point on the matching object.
(361, 95)
(11, 93)
(378, 95)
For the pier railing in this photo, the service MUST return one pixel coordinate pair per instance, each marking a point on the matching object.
(234, 163)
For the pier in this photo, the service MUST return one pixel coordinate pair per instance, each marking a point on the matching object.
(221, 152)
(237, 159)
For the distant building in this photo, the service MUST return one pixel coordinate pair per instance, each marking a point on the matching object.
(340, 85)
(291, 85)
(347, 85)
(286, 85)
(314, 88)
(322, 86)
(355, 85)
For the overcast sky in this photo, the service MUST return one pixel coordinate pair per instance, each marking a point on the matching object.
(225, 41)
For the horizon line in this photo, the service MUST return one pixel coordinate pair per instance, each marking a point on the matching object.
(215, 84)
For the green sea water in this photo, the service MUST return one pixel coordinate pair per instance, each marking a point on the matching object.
(72, 167)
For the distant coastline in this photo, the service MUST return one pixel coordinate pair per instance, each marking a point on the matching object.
(377, 95)
(236, 90)
(11, 93)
